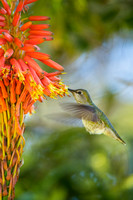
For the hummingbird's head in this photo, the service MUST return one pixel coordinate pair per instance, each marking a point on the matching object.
(81, 96)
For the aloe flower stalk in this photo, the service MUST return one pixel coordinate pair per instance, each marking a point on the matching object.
(22, 83)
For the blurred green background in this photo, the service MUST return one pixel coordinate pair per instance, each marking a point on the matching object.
(93, 40)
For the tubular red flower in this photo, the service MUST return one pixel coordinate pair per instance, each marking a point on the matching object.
(35, 41)
(38, 18)
(39, 26)
(7, 36)
(6, 6)
(18, 42)
(2, 11)
(53, 64)
(38, 32)
(8, 53)
(38, 55)
(26, 26)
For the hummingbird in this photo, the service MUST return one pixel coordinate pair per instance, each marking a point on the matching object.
(93, 119)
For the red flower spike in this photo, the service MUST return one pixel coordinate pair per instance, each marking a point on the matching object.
(26, 26)
(16, 19)
(6, 6)
(18, 42)
(53, 64)
(39, 26)
(43, 33)
(35, 41)
(2, 11)
(2, 41)
(39, 18)
(22, 83)
(7, 36)
(8, 53)
(2, 18)
(38, 55)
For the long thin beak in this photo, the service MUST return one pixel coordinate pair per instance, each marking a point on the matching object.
(71, 90)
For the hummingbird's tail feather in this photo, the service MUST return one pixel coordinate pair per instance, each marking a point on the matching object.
(114, 135)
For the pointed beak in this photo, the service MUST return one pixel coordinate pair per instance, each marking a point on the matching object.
(70, 90)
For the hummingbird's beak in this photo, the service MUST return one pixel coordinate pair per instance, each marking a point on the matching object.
(70, 90)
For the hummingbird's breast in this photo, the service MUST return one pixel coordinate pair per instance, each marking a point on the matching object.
(94, 127)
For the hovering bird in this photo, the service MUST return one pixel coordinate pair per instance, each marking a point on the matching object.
(94, 120)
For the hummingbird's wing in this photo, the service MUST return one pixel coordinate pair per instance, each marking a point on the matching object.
(82, 111)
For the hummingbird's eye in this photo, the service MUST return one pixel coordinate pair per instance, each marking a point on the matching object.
(79, 92)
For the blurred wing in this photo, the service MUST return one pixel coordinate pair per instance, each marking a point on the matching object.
(82, 111)
(66, 119)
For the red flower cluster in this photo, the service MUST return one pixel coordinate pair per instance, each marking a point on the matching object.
(22, 83)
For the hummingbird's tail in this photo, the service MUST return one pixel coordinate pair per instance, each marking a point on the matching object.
(114, 135)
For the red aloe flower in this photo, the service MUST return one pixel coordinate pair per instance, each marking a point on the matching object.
(22, 83)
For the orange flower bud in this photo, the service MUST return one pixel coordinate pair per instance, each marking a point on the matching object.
(2, 11)
(3, 103)
(18, 42)
(38, 55)
(4, 30)
(16, 65)
(18, 87)
(37, 32)
(3, 89)
(53, 64)
(2, 18)
(12, 91)
(34, 74)
(45, 81)
(28, 48)
(20, 6)
(33, 64)
(6, 81)
(23, 65)
(29, 1)
(7, 36)
(1, 52)
(16, 19)
(2, 61)
(39, 26)
(38, 18)
(2, 41)
(26, 26)
(6, 6)
(2, 24)
(8, 53)
(35, 41)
